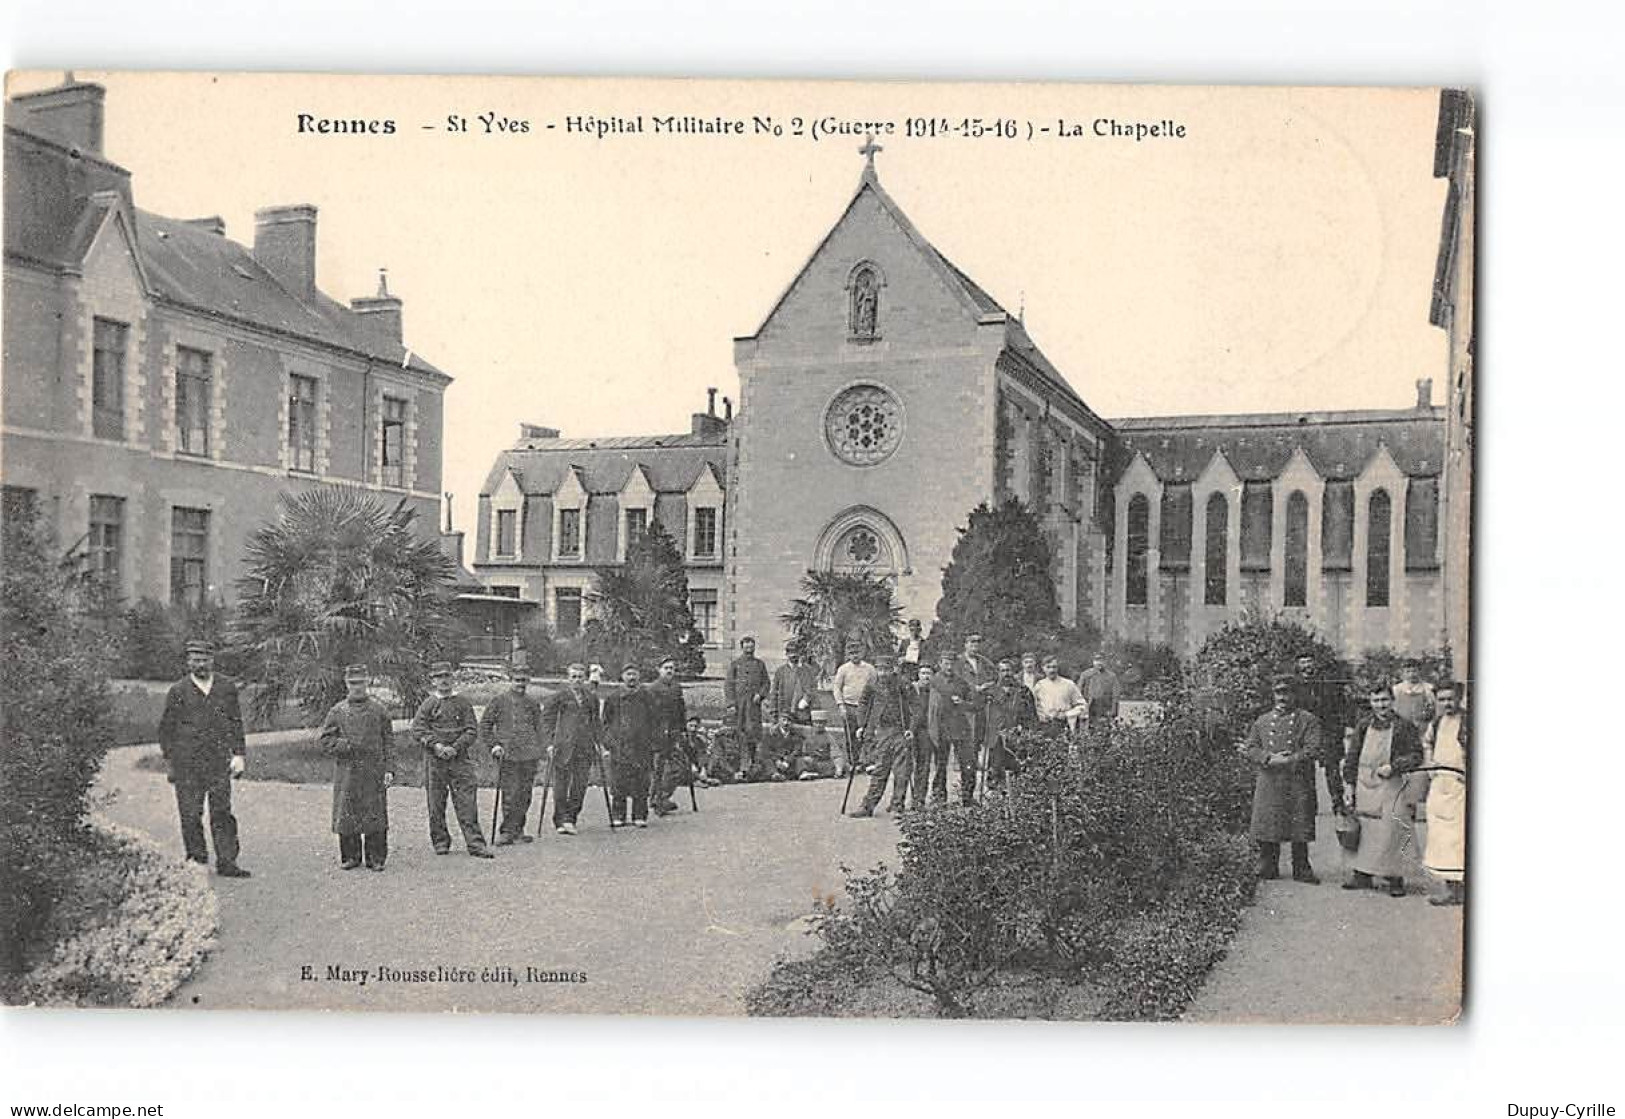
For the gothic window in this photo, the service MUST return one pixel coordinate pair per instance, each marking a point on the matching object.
(1379, 513)
(1215, 588)
(1139, 545)
(864, 424)
(865, 289)
(1296, 550)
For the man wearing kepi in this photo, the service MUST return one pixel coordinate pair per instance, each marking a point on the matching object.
(444, 727)
(672, 766)
(743, 691)
(201, 736)
(1284, 743)
(511, 728)
(571, 727)
(885, 717)
(630, 724)
(357, 733)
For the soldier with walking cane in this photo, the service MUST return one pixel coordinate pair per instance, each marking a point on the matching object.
(571, 729)
(512, 729)
(445, 728)
(631, 723)
(671, 715)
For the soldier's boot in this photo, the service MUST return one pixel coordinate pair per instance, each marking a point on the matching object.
(1269, 860)
(1301, 870)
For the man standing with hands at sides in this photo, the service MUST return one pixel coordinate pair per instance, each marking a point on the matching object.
(980, 676)
(1060, 702)
(1284, 743)
(852, 680)
(1445, 744)
(201, 736)
(1385, 748)
(444, 726)
(357, 733)
(571, 728)
(947, 726)
(671, 764)
(1010, 708)
(512, 729)
(743, 691)
(630, 725)
(924, 751)
(886, 719)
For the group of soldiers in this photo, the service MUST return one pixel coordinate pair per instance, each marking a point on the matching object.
(902, 717)
(1392, 748)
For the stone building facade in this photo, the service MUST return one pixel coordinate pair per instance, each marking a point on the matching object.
(164, 385)
(886, 394)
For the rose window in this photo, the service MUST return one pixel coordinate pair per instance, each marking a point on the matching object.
(862, 546)
(864, 425)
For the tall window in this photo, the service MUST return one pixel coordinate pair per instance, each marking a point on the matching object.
(569, 533)
(302, 423)
(1296, 558)
(637, 523)
(188, 556)
(1215, 587)
(705, 531)
(702, 604)
(106, 539)
(567, 611)
(394, 443)
(507, 532)
(107, 378)
(194, 397)
(1257, 523)
(1379, 512)
(1139, 545)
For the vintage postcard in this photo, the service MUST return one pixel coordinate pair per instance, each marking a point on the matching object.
(686, 548)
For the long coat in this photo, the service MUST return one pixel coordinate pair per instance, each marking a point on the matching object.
(357, 734)
(199, 733)
(744, 689)
(1284, 796)
(671, 710)
(571, 726)
(945, 719)
(631, 725)
(514, 722)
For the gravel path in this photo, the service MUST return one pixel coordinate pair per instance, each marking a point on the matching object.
(1313, 954)
(682, 918)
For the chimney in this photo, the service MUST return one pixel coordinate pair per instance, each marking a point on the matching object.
(711, 402)
(70, 114)
(1424, 392)
(528, 432)
(285, 245)
(215, 224)
(451, 543)
(707, 422)
(727, 410)
(382, 312)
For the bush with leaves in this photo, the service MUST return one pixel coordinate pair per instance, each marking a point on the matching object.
(1387, 664)
(642, 609)
(339, 578)
(837, 607)
(1147, 670)
(153, 639)
(56, 721)
(999, 582)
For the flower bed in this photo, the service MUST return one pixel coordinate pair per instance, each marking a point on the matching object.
(131, 926)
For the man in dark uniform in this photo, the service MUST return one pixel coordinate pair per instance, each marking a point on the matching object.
(795, 689)
(631, 723)
(883, 722)
(979, 676)
(357, 733)
(572, 730)
(923, 751)
(672, 765)
(1010, 708)
(201, 736)
(743, 691)
(948, 726)
(444, 727)
(511, 728)
(1284, 743)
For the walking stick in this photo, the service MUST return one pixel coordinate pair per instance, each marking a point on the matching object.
(603, 770)
(547, 787)
(496, 806)
(692, 765)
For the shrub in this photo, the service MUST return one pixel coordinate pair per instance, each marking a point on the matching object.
(154, 636)
(56, 721)
(1146, 670)
(999, 582)
(1386, 663)
(642, 609)
(132, 925)
(542, 649)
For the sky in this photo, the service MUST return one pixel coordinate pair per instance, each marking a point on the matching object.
(1278, 256)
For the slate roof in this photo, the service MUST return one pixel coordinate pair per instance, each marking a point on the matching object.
(672, 462)
(1258, 445)
(53, 216)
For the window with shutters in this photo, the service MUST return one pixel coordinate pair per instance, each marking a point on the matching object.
(1138, 551)
(106, 542)
(189, 556)
(1379, 515)
(394, 443)
(302, 424)
(109, 342)
(1295, 550)
(194, 400)
(1216, 552)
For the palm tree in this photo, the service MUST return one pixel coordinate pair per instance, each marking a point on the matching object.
(837, 607)
(339, 578)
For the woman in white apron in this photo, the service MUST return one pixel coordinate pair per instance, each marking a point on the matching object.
(1446, 744)
(1384, 751)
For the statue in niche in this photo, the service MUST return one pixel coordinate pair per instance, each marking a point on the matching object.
(866, 304)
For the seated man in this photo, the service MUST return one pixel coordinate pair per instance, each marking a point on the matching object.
(812, 753)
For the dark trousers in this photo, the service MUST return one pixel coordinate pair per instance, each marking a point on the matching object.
(569, 788)
(856, 750)
(668, 773)
(517, 781)
(456, 778)
(370, 847)
(631, 784)
(893, 754)
(191, 792)
(964, 751)
(930, 764)
(1269, 857)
